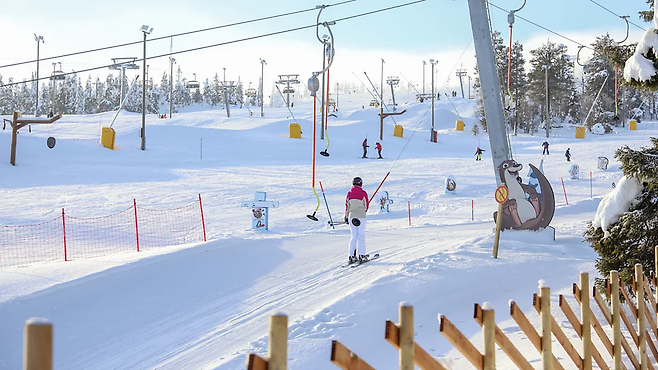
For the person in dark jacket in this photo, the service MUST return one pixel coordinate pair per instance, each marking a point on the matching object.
(365, 148)
(478, 154)
(378, 146)
(545, 145)
(568, 155)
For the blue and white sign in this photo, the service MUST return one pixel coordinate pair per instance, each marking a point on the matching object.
(384, 201)
(260, 210)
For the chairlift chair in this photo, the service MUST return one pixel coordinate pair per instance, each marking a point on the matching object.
(192, 84)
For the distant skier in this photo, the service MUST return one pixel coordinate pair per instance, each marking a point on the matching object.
(568, 155)
(478, 154)
(365, 148)
(545, 145)
(356, 206)
(378, 146)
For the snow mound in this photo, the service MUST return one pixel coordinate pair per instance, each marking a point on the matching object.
(598, 129)
(619, 200)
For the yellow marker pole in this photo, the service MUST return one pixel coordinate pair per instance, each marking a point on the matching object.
(499, 219)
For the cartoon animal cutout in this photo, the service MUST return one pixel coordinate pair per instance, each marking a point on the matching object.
(257, 221)
(525, 208)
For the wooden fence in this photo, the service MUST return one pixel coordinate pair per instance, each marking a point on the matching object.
(623, 339)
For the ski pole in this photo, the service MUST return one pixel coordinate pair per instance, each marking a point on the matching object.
(471, 209)
(327, 204)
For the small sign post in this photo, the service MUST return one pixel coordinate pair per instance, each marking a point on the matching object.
(260, 210)
(501, 197)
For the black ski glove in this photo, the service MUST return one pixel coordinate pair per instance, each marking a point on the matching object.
(346, 220)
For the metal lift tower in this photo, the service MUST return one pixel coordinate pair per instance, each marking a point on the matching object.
(288, 80)
(393, 81)
(121, 64)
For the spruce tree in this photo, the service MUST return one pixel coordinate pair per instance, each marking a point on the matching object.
(560, 81)
(633, 238)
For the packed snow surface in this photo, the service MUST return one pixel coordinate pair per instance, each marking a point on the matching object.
(207, 305)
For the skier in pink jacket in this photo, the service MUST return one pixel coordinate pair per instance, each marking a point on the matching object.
(356, 206)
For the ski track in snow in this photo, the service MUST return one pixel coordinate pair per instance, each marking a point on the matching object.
(206, 306)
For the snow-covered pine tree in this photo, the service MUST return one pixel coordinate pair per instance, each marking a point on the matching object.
(90, 101)
(239, 93)
(215, 91)
(153, 98)
(641, 68)
(165, 86)
(7, 100)
(634, 236)
(79, 105)
(196, 94)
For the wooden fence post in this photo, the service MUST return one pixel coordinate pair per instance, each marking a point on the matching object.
(277, 348)
(38, 345)
(546, 346)
(406, 312)
(616, 320)
(489, 338)
(586, 329)
(641, 320)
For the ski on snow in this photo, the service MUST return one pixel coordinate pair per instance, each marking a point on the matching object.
(355, 264)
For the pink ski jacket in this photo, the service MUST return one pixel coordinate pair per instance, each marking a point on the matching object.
(356, 203)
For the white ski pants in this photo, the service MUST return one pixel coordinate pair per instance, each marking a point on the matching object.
(358, 237)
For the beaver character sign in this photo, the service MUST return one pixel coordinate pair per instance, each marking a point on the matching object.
(526, 207)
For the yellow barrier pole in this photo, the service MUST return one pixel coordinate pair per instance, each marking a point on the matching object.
(499, 217)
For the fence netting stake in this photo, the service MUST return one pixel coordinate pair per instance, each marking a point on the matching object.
(136, 228)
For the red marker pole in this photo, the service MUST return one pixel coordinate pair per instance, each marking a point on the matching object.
(565, 191)
(380, 185)
(409, 208)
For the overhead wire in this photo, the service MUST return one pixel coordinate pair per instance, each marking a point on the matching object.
(178, 34)
(542, 27)
(223, 43)
(643, 29)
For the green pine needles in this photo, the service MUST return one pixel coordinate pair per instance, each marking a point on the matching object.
(634, 237)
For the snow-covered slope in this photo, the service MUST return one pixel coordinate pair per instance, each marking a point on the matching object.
(206, 306)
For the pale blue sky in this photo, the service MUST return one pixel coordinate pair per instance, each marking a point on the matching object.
(404, 37)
